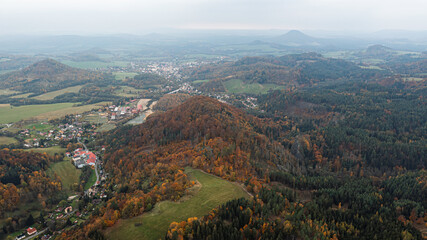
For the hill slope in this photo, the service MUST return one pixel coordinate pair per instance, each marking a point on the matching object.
(45, 76)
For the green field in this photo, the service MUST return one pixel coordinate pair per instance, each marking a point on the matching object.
(96, 118)
(49, 150)
(52, 95)
(238, 86)
(106, 127)
(126, 91)
(213, 192)
(43, 111)
(15, 114)
(25, 95)
(39, 127)
(200, 81)
(123, 75)
(7, 140)
(67, 172)
(91, 181)
(94, 64)
(7, 92)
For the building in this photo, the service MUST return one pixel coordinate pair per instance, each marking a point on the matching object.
(31, 231)
(19, 237)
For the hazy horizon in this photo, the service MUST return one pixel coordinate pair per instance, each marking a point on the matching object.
(93, 17)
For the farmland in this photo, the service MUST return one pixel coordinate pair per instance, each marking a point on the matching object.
(211, 193)
(52, 95)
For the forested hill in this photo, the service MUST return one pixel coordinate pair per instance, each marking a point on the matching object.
(294, 69)
(226, 138)
(47, 75)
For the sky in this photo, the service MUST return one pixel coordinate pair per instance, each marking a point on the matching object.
(145, 16)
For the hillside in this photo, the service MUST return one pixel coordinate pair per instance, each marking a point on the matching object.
(47, 75)
(289, 70)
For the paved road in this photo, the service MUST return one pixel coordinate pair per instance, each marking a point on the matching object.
(35, 235)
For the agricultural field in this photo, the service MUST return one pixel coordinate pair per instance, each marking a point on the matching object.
(71, 110)
(7, 140)
(124, 75)
(15, 114)
(67, 172)
(24, 95)
(52, 95)
(208, 194)
(94, 64)
(43, 111)
(7, 92)
(238, 86)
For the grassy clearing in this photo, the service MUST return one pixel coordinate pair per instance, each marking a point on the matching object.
(238, 86)
(212, 193)
(67, 172)
(106, 127)
(52, 95)
(371, 67)
(25, 95)
(412, 79)
(124, 75)
(95, 64)
(39, 127)
(96, 118)
(91, 181)
(126, 91)
(7, 140)
(49, 150)
(200, 81)
(7, 92)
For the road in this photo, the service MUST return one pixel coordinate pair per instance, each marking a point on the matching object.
(35, 235)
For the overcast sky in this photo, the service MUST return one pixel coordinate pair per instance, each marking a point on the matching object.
(144, 16)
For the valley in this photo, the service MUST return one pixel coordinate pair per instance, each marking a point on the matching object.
(275, 138)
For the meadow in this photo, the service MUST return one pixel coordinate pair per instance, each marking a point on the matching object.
(211, 192)
(238, 86)
(44, 111)
(52, 95)
(67, 172)
(126, 91)
(7, 140)
(49, 150)
(124, 75)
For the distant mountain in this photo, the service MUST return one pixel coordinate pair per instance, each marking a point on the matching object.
(296, 38)
(47, 75)
(378, 51)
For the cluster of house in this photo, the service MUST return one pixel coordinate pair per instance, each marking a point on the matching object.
(129, 109)
(63, 132)
(82, 157)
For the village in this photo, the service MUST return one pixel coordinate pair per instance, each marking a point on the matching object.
(79, 130)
